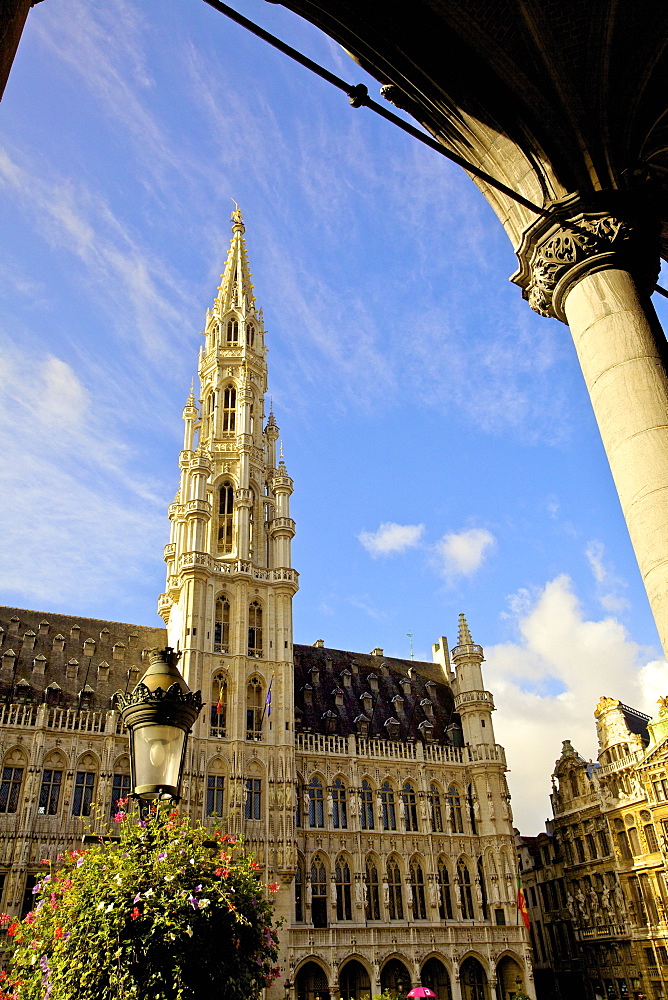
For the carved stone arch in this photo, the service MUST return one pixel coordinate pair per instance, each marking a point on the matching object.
(224, 477)
(55, 758)
(88, 761)
(395, 975)
(122, 763)
(255, 767)
(486, 963)
(356, 956)
(15, 756)
(216, 765)
(447, 961)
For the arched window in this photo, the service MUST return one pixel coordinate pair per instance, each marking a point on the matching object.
(481, 889)
(225, 517)
(410, 808)
(339, 806)
(366, 806)
(372, 894)
(318, 892)
(343, 897)
(218, 705)
(84, 785)
(417, 888)
(250, 335)
(120, 786)
(316, 804)
(254, 709)
(444, 897)
(387, 809)
(215, 789)
(435, 809)
(465, 898)
(209, 410)
(455, 810)
(52, 780)
(573, 778)
(229, 409)
(255, 630)
(395, 902)
(299, 892)
(221, 626)
(251, 523)
(233, 331)
(471, 804)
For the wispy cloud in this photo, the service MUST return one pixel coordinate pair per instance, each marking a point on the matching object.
(609, 585)
(462, 553)
(547, 682)
(390, 538)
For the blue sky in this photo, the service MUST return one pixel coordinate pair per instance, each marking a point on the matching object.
(441, 440)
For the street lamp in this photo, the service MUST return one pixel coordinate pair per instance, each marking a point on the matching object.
(159, 715)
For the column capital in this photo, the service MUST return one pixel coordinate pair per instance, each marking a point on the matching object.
(557, 252)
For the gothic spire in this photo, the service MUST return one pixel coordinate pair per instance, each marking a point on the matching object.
(464, 635)
(236, 288)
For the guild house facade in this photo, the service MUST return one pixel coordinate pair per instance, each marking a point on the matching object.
(369, 787)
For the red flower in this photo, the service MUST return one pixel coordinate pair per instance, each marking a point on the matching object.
(59, 932)
(135, 913)
(13, 929)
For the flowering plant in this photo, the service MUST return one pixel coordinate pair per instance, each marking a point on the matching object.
(168, 911)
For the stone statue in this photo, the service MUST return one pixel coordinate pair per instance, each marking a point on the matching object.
(333, 893)
(386, 894)
(582, 903)
(433, 894)
(570, 904)
(409, 897)
(593, 899)
(309, 892)
(359, 892)
(663, 703)
(605, 899)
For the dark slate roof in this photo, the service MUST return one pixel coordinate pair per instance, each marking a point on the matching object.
(335, 666)
(636, 721)
(70, 661)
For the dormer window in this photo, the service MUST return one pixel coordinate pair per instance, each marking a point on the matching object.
(338, 695)
(233, 331)
(346, 677)
(104, 634)
(308, 694)
(405, 685)
(29, 639)
(427, 730)
(398, 703)
(86, 696)
(89, 647)
(367, 701)
(362, 725)
(53, 693)
(373, 682)
(315, 675)
(427, 707)
(23, 692)
(43, 627)
(392, 727)
(430, 688)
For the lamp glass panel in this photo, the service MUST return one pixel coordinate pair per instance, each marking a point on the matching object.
(158, 756)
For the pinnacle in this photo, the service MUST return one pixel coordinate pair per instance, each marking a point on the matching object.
(191, 397)
(235, 291)
(464, 635)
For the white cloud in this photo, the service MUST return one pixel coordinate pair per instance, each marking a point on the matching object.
(462, 553)
(547, 683)
(391, 538)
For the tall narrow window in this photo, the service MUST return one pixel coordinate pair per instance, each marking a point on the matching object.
(120, 789)
(435, 809)
(233, 331)
(251, 524)
(215, 787)
(483, 889)
(394, 886)
(343, 897)
(417, 887)
(455, 810)
(410, 808)
(225, 517)
(10, 789)
(387, 809)
(372, 901)
(219, 706)
(366, 806)
(465, 897)
(253, 808)
(299, 892)
(221, 626)
(444, 897)
(49, 793)
(83, 793)
(471, 804)
(209, 413)
(229, 409)
(255, 630)
(250, 335)
(340, 811)
(318, 892)
(254, 709)
(316, 804)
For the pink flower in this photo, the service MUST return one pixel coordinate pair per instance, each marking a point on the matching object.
(273, 887)
(119, 817)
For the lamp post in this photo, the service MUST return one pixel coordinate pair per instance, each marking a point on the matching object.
(159, 715)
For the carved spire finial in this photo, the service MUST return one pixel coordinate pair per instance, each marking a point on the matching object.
(464, 635)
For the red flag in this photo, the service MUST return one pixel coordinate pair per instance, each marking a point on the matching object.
(219, 706)
(522, 903)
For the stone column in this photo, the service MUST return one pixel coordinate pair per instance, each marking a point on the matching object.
(596, 273)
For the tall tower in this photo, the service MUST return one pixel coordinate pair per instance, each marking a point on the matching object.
(230, 583)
